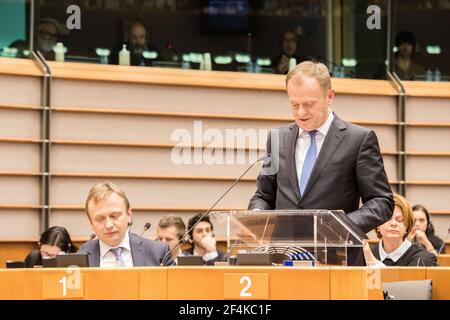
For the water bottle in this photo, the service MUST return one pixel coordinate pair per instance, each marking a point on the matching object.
(437, 75)
(207, 64)
(336, 71)
(292, 63)
(59, 52)
(104, 60)
(429, 75)
(185, 64)
(342, 72)
(124, 56)
(249, 67)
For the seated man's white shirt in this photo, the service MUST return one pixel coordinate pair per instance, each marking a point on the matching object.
(108, 259)
(208, 256)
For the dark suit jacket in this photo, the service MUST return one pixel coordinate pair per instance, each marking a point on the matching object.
(145, 252)
(348, 168)
(222, 256)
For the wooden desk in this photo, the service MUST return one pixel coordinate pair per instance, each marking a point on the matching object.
(98, 284)
(284, 283)
(206, 283)
(444, 260)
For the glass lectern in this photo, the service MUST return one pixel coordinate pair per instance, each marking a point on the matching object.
(322, 236)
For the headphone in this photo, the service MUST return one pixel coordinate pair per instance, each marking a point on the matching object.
(130, 223)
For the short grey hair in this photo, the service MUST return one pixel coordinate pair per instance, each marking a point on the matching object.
(314, 70)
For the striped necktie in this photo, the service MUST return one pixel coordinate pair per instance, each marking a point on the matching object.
(118, 254)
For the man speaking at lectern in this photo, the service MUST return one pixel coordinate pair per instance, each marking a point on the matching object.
(322, 161)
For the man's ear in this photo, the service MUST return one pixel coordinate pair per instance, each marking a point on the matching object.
(130, 217)
(330, 97)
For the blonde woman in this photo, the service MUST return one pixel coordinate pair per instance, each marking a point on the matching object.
(394, 249)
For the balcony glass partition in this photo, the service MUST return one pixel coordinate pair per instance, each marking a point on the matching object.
(14, 28)
(352, 37)
(420, 40)
(226, 35)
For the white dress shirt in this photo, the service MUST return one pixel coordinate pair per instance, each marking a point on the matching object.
(304, 141)
(108, 259)
(396, 254)
(208, 256)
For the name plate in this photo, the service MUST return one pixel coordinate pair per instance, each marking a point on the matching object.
(246, 286)
(63, 285)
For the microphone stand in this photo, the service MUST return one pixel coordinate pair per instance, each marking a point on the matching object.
(213, 206)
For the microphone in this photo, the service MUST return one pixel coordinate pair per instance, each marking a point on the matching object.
(146, 227)
(92, 236)
(214, 205)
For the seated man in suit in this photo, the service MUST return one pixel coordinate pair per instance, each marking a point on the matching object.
(322, 161)
(394, 249)
(203, 241)
(170, 230)
(109, 213)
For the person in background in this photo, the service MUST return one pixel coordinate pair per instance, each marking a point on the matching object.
(203, 241)
(423, 231)
(137, 37)
(404, 65)
(395, 249)
(47, 36)
(21, 46)
(288, 44)
(110, 215)
(170, 230)
(53, 241)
